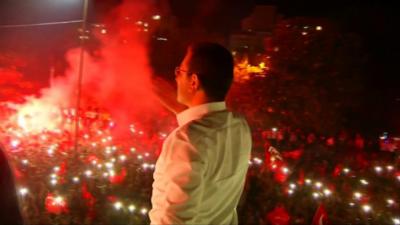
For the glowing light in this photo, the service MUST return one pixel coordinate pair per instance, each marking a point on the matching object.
(86, 136)
(156, 17)
(122, 158)
(327, 192)
(346, 170)
(147, 154)
(143, 211)
(111, 172)
(140, 157)
(396, 221)
(352, 204)
(285, 170)
(118, 205)
(378, 169)
(308, 181)
(131, 208)
(390, 201)
(50, 151)
(59, 200)
(364, 182)
(94, 144)
(145, 165)
(304, 33)
(38, 115)
(109, 165)
(15, 143)
(257, 161)
(53, 182)
(290, 192)
(113, 160)
(318, 27)
(75, 179)
(292, 186)
(105, 174)
(133, 149)
(357, 195)
(366, 208)
(88, 173)
(109, 138)
(25, 161)
(53, 176)
(389, 167)
(316, 195)
(274, 129)
(145, 24)
(318, 185)
(23, 191)
(56, 169)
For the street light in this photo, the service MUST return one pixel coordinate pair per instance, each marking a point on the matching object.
(83, 37)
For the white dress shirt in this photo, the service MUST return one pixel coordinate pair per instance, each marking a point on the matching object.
(200, 174)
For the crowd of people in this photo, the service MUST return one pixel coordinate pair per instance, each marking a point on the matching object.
(95, 197)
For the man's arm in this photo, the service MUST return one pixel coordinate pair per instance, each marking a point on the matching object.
(166, 94)
(183, 184)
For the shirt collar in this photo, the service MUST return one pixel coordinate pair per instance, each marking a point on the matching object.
(199, 111)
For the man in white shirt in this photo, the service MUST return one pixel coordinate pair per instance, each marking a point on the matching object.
(200, 173)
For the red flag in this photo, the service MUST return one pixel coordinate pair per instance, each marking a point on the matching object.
(293, 154)
(337, 170)
(55, 204)
(300, 181)
(118, 179)
(321, 216)
(279, 216)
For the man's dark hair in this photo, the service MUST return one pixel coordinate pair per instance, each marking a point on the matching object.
(213, 64)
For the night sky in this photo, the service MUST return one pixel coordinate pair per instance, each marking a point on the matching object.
(375, 22)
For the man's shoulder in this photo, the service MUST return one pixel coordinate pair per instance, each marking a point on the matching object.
(209, 124)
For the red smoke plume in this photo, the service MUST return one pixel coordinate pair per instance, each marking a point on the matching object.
(116, 78)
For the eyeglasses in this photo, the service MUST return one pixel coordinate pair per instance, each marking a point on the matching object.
(178, 71)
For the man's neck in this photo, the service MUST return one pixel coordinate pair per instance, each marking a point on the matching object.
(199, 99)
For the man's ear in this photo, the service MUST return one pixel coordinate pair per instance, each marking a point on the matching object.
(194, 82)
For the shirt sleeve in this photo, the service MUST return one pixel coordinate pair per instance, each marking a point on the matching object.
(183, 177)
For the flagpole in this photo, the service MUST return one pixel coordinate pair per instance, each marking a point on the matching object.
(83, 36)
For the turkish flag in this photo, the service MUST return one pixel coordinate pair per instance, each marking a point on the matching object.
(118, 179)
(321, 216)
(279, 216)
